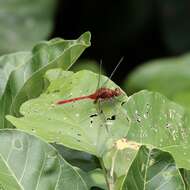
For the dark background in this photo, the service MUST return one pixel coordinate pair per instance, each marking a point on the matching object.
(138, 30)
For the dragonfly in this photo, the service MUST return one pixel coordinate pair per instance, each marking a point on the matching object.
(100, 94)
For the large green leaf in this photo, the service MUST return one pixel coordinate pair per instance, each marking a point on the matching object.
(27, 162)
(26, 80)
(24, 23)
(157, 122)
(151, 170)
(76, 125)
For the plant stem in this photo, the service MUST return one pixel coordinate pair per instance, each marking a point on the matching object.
(104, 172)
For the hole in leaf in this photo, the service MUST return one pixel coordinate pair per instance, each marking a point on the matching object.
(94, 115)
(113, 117)
(123, 103)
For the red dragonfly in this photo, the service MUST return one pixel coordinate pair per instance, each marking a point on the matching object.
(100, 94)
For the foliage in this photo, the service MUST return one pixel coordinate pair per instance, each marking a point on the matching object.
(35, 160)
(149, 132)
(22, 73)
(139, 141)
(24, 23)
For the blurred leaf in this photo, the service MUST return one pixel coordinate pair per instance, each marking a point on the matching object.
(25, 81)
(153, 169)
(24, 23)
(170, 77)
(76, 125)
(29, 163)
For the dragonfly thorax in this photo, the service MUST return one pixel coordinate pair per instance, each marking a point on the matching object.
(106, 93)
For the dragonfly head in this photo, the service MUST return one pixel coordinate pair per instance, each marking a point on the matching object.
(117, 92)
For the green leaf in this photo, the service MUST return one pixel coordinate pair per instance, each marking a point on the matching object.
(154, 122)
(27, 162)
(153, 169)
(24, 23)
(26, 81)
(157, 122)
(76, 125)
